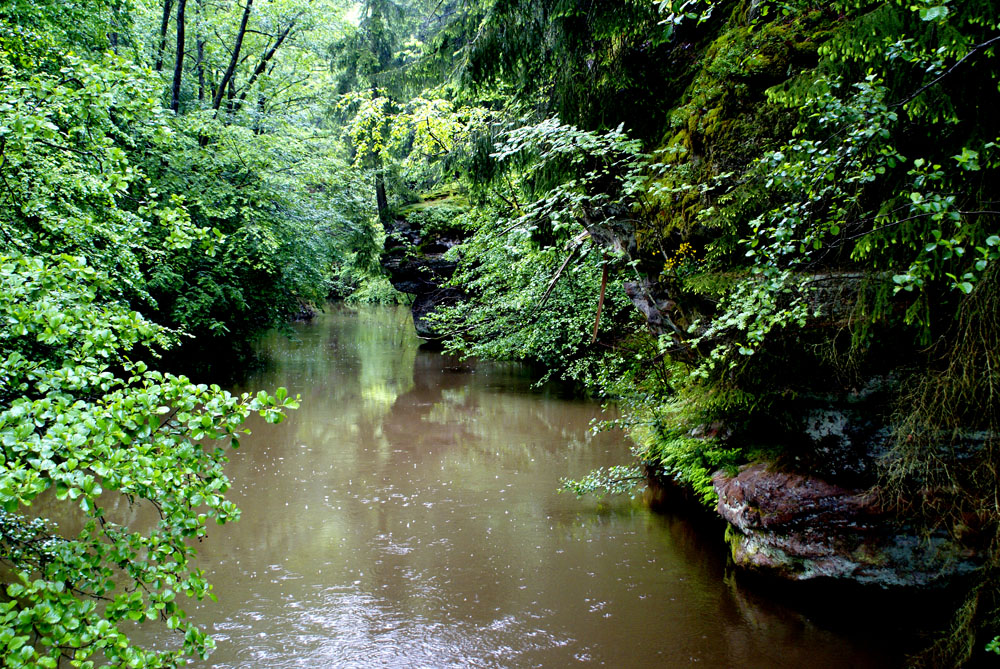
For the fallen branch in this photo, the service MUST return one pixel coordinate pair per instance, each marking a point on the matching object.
(600, 300)
(576, 243)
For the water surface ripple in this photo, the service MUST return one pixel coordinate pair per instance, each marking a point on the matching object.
(408, 516)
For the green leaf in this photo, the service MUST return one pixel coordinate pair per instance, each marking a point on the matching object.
(933, 13)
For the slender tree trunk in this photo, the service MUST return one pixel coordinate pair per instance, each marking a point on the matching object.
(262, 65)
(201, 69)
(258, 125)
(380, 198)
(200, 40)
(175, 96)
(164, 24)
(228, 76)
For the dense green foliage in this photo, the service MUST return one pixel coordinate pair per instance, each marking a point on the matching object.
(799, 197)
(126, 229)
(539, 266)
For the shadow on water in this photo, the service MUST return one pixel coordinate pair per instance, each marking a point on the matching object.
(222, 361)
(408, 515)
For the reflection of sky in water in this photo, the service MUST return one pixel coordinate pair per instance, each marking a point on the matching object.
(407, 516)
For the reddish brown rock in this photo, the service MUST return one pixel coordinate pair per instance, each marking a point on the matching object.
(801, 527)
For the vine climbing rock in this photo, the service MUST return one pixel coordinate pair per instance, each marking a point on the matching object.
(801, 527)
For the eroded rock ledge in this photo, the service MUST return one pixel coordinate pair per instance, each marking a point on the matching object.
(801, 527)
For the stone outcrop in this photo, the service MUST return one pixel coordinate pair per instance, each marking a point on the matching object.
(811, 516)
(655, 303)
(802, 527)
(415, 259)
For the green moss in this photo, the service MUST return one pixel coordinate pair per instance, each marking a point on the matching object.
(455, 202)
(689, 461)
(712, 284)
(441, 213)
(724, 119)
(450, 196)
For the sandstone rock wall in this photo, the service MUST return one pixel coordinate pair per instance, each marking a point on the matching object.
(415, 259)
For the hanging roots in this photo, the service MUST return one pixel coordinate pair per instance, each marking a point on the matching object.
(943, 466)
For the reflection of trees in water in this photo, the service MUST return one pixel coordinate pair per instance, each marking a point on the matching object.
(349, 365)
(408, 426)
(345, 354)
(482, 406)
(428, 484)
(470, 431)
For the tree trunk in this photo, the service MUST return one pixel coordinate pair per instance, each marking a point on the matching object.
(381, 200)
(380, 197)
(175, 95)
(164, 24)
(200, 40)
(258, 124)
(262, 65)
(227, 77)
(201, 69)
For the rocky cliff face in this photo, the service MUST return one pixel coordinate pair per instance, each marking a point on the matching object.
(416, 245)
(811, 513)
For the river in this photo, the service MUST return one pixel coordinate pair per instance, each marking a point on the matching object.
(408, 515)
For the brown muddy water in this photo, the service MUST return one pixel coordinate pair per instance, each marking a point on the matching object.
(408, 515)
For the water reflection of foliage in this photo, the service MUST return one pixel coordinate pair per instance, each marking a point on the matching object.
(374, 403)
(346, 355)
